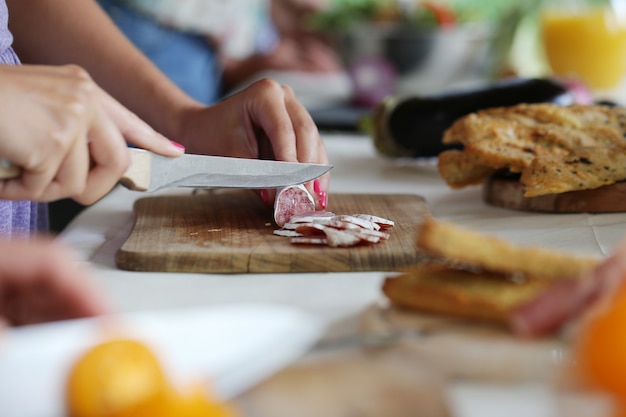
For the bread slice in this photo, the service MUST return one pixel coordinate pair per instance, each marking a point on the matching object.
(461, 245)
(439, 289)
(514, 138)
(476, 276)
(590, 168)
(460, 169)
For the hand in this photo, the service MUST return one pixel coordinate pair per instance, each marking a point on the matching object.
(290, 16)
(303, 53)
(66, 134)
(263, 121)
(40, 281)
(306, 54)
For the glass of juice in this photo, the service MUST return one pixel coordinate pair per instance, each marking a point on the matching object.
(585, 40)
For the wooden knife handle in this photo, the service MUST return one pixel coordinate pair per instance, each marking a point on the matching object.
(136, 177)
(8, 171)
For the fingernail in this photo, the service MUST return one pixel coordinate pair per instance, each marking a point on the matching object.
(265, 197)
(317, 188)
(178, 145)
(323, 199)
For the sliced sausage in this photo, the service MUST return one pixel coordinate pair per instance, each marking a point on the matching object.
(291, 201)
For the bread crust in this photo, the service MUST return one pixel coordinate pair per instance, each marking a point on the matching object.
(452, 242)
(460, 293)
(527, 137)
(473, 275)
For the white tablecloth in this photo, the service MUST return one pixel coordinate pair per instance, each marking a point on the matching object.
(333, 297)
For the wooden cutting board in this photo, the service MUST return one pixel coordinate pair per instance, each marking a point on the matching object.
(509, 193)
(231, 231)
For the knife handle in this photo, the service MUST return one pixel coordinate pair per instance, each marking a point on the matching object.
(8, 171)
(136, 177)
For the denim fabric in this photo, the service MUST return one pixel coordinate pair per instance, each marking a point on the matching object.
(185, 58)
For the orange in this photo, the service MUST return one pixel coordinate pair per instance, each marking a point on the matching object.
(114, 376)
(192, 403)
(601, 349)
(123, 378)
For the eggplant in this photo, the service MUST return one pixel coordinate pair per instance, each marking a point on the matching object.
(413, 126)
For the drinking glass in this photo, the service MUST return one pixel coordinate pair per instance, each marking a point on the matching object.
(586, 40)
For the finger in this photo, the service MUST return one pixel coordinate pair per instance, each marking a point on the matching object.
(305, 133)
(41, 282)
(41, 182)
(59, 112)
(71, 173)
(29, 185)
(136, 131)
(269, 113)
(71, 282)
(109, 158)
(292, 132)
(309, 146)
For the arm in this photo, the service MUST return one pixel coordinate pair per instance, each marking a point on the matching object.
(263, 121)
(71, 31)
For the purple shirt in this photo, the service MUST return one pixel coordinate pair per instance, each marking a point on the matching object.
(7, 56)
(17, 218)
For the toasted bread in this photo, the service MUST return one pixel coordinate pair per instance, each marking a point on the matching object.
(472, 275)
(515, 138)
(455, 243)
(461, 169)
(589, 169)
(461, 293)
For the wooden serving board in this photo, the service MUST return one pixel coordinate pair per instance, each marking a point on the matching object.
(509, 193)
(231, 231)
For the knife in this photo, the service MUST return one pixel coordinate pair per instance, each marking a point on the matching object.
(150, 172)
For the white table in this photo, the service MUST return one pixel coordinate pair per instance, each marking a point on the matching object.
(334, 297)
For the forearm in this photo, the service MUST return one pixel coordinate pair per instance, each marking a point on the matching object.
(78, 32)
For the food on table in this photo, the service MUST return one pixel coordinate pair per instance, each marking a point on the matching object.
(337, 230)
(469, 247)
(343, 14)
(124, 378)
(464, 293)
(601, 343)
(567, 299)
(413, 126)
(424, 14)
(554, 148)
(290, 201)
(476, 276)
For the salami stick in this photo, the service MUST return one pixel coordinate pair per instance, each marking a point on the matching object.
(291, 201)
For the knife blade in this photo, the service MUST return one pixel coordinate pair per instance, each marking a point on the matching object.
(151, 172)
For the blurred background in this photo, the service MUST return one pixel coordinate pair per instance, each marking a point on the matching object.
(424, 48)
(345, 57)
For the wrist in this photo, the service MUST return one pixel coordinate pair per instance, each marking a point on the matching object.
(173, 126)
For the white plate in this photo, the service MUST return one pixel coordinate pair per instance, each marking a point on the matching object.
(235, 347)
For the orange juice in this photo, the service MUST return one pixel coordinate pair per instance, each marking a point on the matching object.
(586, 44)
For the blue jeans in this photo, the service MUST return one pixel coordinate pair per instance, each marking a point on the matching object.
(188, 60)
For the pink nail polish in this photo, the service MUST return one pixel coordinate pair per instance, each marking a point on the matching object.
(323, 199)
(317, 188)
(178, 145)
